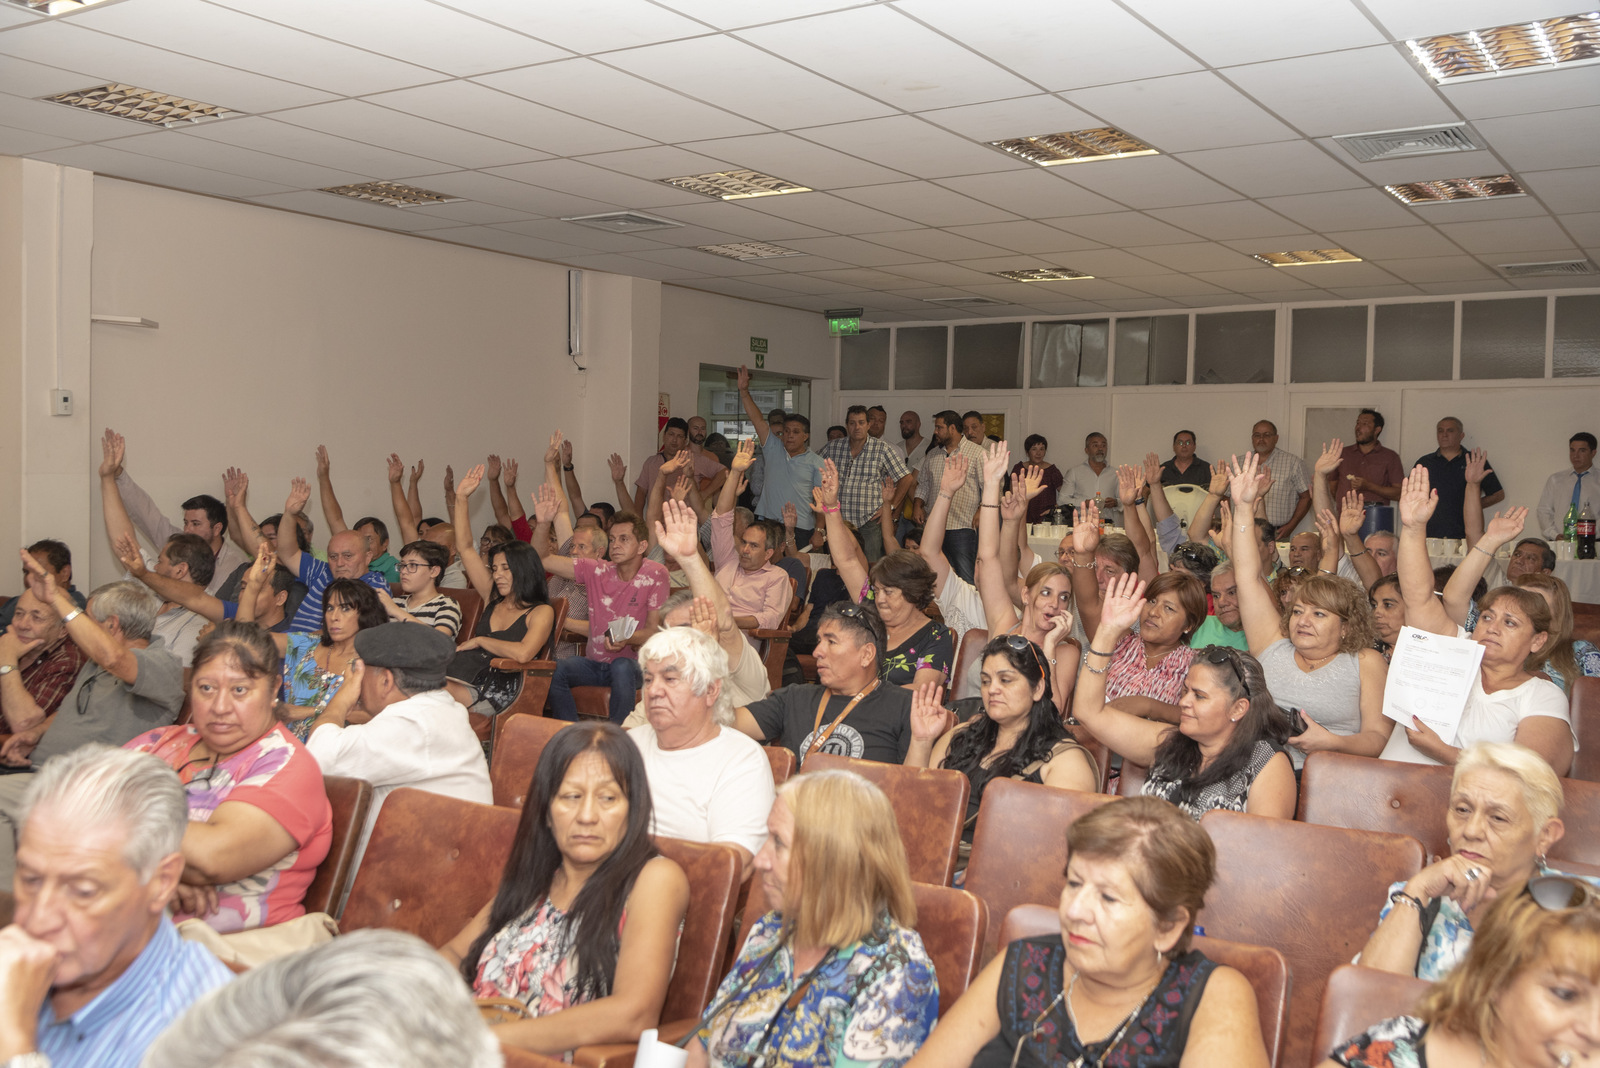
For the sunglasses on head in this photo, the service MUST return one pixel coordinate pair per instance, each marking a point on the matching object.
(1017, 643)
(1296, 572)
(1557, 892)
(1222, 654)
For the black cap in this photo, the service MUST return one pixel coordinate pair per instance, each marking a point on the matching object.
(417, 649)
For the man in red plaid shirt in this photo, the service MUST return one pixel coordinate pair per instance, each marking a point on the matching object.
(38, 662)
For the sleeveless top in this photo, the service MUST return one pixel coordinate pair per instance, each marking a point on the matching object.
(469, 663)
(1331, 695)
(1230, 793)
(1032, 977)
(981, 777)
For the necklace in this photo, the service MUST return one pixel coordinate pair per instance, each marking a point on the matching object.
(1315, 664)
(1116, 1036)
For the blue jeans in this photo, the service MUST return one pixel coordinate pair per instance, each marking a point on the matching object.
(961, 549)
(623, 676)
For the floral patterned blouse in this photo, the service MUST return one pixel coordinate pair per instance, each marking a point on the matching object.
(304, 682)
(1128, 675)
(1395, 1043)
(931, 647)
(871, 1003)
(532, 960)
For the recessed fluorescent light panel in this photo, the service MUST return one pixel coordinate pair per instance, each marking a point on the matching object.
(392, 194)
(1042, 274)
(54, 7)
(141, 105)
(736, 185)
(1518, 48)
(1080, 146)
(622, 222)
(750, 250)
(966, 302)
(1307, 257)
(1445, 190)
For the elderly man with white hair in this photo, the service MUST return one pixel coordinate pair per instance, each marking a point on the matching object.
(92, 970)
(708, 781)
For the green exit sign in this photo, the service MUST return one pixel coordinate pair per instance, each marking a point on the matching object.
(840, 327)
(758, 344)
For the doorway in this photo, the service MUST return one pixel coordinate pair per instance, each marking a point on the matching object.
(718, 402)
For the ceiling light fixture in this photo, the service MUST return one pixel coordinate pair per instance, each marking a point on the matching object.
(1042, 274)
(1444, 190)
(736, 185)
(1079, 146)
(392, 194)
(1417, 141)
(622, 222)
(1533, 270)
(141, 105)
(1519, 48)
(1307, 257)
(55, 7)
(966, 302)
(750, 250)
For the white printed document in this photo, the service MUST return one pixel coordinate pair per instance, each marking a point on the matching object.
(1430, 677)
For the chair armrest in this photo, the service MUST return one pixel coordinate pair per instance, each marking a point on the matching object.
(621, 1054)
(766, 634)
(536, 666)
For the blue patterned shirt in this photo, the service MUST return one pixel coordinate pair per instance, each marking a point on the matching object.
(113, 1030)
(861, 476)
(317, 575)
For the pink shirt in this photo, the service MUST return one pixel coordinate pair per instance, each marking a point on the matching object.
(764, 594)
(1128, 675)
(705, 467)
(610, 597)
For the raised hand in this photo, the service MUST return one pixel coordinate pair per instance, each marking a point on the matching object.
(1127, 483)
(677, 532)
(1328, 462)
(619, 468)
(1123, 603)
(1152, 470)
(703, 616)
(397, 468)
(1263, 483)
(929, 717)
(743, 456)
(470, 481)
(491, 469)
(830, 484)
(299, 494)
(40, 581)
(1505, 525)
(552, 452)
(234, 483)
(1086, 528)
(680, 488)
(676, 463)
(791, 515)
(266, 562)
(508, 469)
(954, 475)
(744, 378)
(1478, 465)
(888, 492)
(1014, 505)
(323, 466)
(449, 480)
(1328, 526)
(1242, 479)
(113, 449)
(1417, 501)
(128, 553)
(996, 462)
(1219, 479)
(566, 453)
(1032, 481)
(416, 472)
(1351, 514)
(546, 503)
(1223, 536)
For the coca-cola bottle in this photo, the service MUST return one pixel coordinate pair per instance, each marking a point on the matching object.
(1584, 529)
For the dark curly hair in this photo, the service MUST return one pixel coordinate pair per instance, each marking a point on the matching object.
(909, 573)
(976, 740)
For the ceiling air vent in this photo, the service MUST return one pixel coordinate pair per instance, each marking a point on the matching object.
(1420, 141)
(391, 194)
(1531, 270)
(622, 222)
(750, 250)
(966, 302)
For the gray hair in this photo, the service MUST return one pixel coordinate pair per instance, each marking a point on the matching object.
(676, 601)
(1391, 535)
(368, 998)
(133, 604)
(96, 786)
(700, 659)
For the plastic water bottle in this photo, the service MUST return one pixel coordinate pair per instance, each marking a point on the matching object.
(1569, 526)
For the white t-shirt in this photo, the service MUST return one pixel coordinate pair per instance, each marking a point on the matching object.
(721, 791)
(747, 682)
(963, 611)
(1492, 717)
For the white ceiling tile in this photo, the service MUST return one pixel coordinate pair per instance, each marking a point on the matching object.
(888, 56)
(102, 58)
(614, 263)
(1568, 138)
(1280, 169)
(733, 218)
(998, 120)
(313, 146)
(1565, 190)
(1261, 29)
(1344, 92)
(797, 160)
(590, 90)
(1177, 285)
(183, 147)
(1408, 243)
(1146, 182)
(15, 16)
(1479, 210)
(850, 250)
(657, 162)
(732, 14)
(1458, 268)
(1196, 256)
(1525, 94)
(478, 108)
(1236, 219)
(1109, 263)
(21, 77)
(358, 120)
(472, 212)
(908, 144)
(57, 120)
(15, 142)
(1376, 292)
(1253, 245)
(411, 30)
(799, 283)
(486, 189)
(1182, 113)
(830, 212)
(347, 209)
(936, 245)
(1027, 36)
(584, 180)
(1366, 274)
(1033, 193)
(732, 74)
(583, 236)
(1259, 279)
(1354, 209)
(1026, 236)
(784, 266)
(1406, 18)
(1419, 168)
(1128, 229)
(103, 159)
(222, 36)
(926, 203)
(864, 277)
(943, 274)
(1510, 235)
(1082, 289)
(1584, 227)
(590, 26)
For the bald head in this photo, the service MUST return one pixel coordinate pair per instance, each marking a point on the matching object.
(348, 555)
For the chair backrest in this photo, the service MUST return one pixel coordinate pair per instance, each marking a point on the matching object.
(1586, 721)
(782, 761)
(1586, 622)
(1356, 998)
(930, 804)
(1312, 892)
(517, 747)
(972, 643)
(1019, 846)
(432, 862)
(471, 608)
(1265, 967)
(1366, 794)
(1184, 501)
(559, 604)
(714, 873)
(1130, 781)
(351, 800)
(1581, 815)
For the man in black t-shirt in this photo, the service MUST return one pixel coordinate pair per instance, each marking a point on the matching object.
(851, 713)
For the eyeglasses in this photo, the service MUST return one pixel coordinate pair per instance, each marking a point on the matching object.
(1195, 557)
(409, 566)
(1557, 892)
(1018, 643)
(1221, 654)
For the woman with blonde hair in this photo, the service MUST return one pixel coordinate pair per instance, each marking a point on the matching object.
(1569, 658)
(833, 973)
(1527, 995)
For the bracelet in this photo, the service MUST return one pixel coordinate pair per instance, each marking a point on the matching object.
(996, 506)
(1324, 571)
(1083, 567)
(1363, 552)
(70, 616)
(1140, 500)
(1400, 896)
(1095, 652)
(830, 511)
(566, 467)
(1484, 551)
(1096, 671)
(945, 496)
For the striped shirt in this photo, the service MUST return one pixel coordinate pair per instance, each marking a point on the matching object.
(964, 504)
(317, 575)
(113, 1030)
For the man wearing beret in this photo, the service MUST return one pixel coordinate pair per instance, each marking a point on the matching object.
(418, 735)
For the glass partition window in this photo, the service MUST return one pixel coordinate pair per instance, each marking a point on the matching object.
(1234, 347)
(1069, 353)
(864, 360)
(919, 357)
(1413, 342)
(988, 356)
(1153, 351)
(1577, 340)
(1503, 338)
(1326, 344)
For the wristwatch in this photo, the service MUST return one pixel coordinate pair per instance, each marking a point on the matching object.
(33, 1059)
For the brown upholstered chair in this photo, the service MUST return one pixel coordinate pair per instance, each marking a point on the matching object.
(517, 1058)
(782, 761)
(594, 702)
(351, 800)
(1130, 780)
(1356, 998)
(1581, 815)
(972, 643)
(432, 862)
(1265, 967)
(536, 673)
(1019, 846)
(930, 804)
(1312, 892)
(519, 742)
(1586, 621)
(1586, 721)
(471, 608)
(1366, 794)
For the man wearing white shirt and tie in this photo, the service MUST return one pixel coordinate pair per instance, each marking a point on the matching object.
(1575, 488)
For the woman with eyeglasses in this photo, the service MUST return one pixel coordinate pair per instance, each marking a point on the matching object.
(422, 563)
(1227, 748)
(516, 618)
(259, 819)
(1316, 653)
(921, 650)
(1120, 983)
(1504, 816)
(1526, 996)
(833, 974)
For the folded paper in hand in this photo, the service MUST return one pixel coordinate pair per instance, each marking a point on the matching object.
(621, 628)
